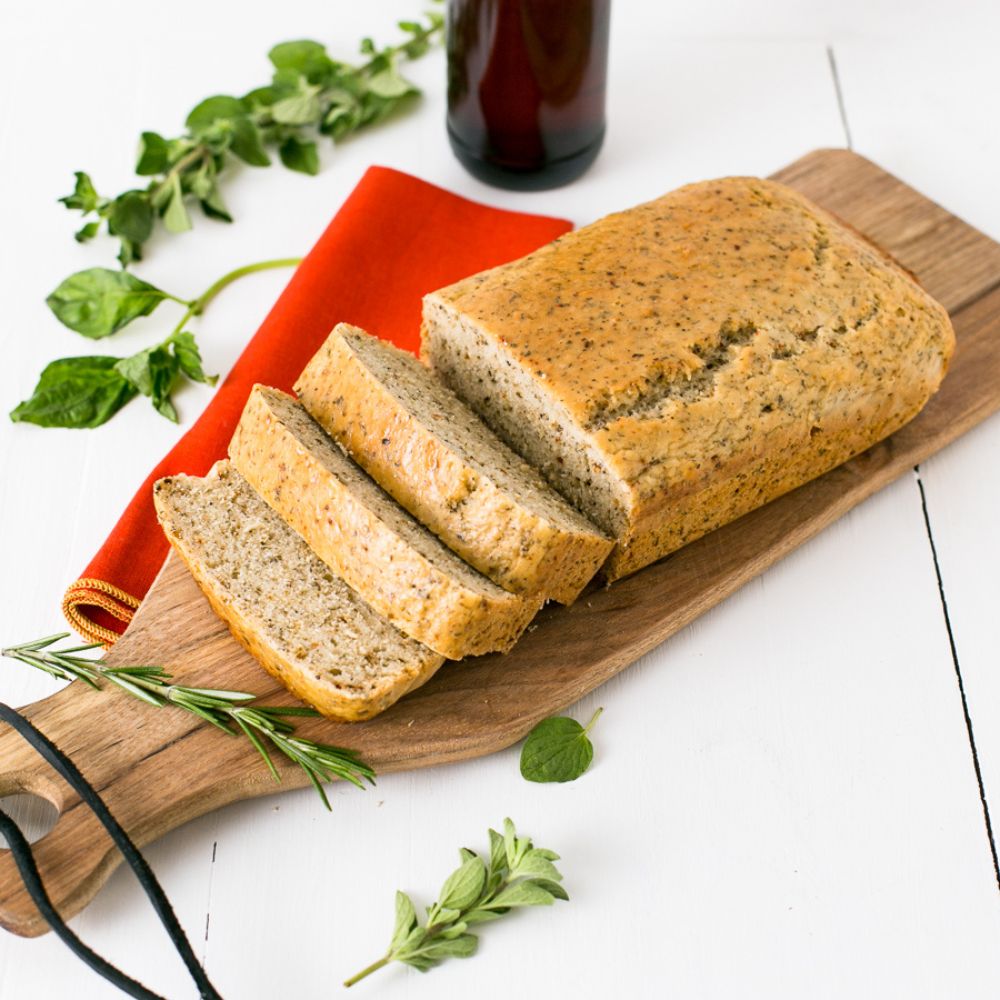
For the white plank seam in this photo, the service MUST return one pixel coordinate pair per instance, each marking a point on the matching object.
(840, 95)
(958, 674)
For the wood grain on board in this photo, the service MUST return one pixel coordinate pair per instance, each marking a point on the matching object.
(158, 769)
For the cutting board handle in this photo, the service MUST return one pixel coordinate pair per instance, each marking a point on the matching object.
(76, 855)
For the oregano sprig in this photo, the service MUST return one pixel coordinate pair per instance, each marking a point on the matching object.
(310, 95)
(87, 391)
(517, 874)
(231, 711)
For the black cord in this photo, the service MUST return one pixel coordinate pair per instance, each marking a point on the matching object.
(24, 858)
(25, 861)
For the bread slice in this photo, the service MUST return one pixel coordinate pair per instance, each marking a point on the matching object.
(671, 367)
(428, 450)
(366, 538)
(304, 625)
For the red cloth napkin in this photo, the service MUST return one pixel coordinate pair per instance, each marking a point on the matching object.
(395, 239)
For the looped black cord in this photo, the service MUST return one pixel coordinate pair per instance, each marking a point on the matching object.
(24, 859)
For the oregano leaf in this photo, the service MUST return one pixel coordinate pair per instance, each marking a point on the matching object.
(463, 887)
(406, 917)
(154, 154)
(557, 749)
(86, 232)
(520, 894)
(175, 213)
(247, 144)
(208, 112)
(84, 198)
(189, 358)
(308, 91)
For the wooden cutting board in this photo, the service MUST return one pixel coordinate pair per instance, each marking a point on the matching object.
(160, 768)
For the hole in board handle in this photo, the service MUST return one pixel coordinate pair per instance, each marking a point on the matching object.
(34, 814)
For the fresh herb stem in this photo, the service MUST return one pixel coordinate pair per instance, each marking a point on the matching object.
(593, 719)
(310, 95)
(230, 711)
(198, 305)
(88, 391)
(190, 159)
(517, 874)
(374, 967)
(195, 307)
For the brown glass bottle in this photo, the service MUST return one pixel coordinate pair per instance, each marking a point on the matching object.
(526, 85)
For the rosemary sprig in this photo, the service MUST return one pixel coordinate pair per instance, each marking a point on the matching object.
(229, 711)
(309, 95)
(517, 874)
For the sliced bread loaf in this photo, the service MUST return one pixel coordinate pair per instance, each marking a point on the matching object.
(447, 468)
(365, 537)
(304, 625)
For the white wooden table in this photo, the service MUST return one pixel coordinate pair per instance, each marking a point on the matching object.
(788, 799)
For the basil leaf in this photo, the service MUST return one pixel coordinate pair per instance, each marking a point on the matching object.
(76, 392)
(557, 749)
(189, 358)
(154, 154)
(84, 197)
(153, 373)
(99, 301)
(300, 156)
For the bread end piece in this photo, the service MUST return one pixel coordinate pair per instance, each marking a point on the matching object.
(298, 620)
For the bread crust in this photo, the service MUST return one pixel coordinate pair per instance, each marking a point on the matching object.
(248, 628)
(704, 353)
(423, 600)
(467, 508)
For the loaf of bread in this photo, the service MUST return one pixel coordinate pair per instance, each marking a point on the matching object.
(303, 624)
(396, 566)
(671, 367)
(423, 446)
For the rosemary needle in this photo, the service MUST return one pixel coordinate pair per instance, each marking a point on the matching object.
(230, 711)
